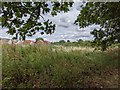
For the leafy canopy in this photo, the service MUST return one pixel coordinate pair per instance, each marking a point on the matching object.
(26, 18)
(105, 14)
(62, 41)
(39, 39)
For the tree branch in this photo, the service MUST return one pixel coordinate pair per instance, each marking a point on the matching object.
(39, 11)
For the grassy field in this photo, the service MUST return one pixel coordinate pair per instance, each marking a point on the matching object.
(48, 67)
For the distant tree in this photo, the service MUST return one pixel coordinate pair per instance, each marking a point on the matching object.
(80, 40)
(14, 12)
(105, 14)
(62, 41)
(39, 39)
(68, 40)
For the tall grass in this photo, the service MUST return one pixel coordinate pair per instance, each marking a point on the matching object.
(43, 67)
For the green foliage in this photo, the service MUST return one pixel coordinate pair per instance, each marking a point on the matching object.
(14, 12)
(39, 39)
(68, 40)
(105, 14)
(80, 43)
(44, 67)
(62, 41)
(80, 40)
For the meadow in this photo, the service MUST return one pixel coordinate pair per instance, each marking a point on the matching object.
(47, 67)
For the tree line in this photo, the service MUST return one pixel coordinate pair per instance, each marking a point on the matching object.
(105, 14)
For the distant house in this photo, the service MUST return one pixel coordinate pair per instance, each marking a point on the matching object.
(4, 41)
(12, 41)
(28, 42)
(25, 42)
(39, 42)
(19, 43)
(46, 42)
(42, 42)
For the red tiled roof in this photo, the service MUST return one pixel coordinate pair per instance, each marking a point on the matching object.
(47, 42)
(28, 42)
(40, 42)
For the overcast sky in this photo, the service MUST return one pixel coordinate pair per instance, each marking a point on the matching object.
(65, 27)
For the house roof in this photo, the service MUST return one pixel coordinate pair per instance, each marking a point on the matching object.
(5, 39)
(46, 42)
(28, 41)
